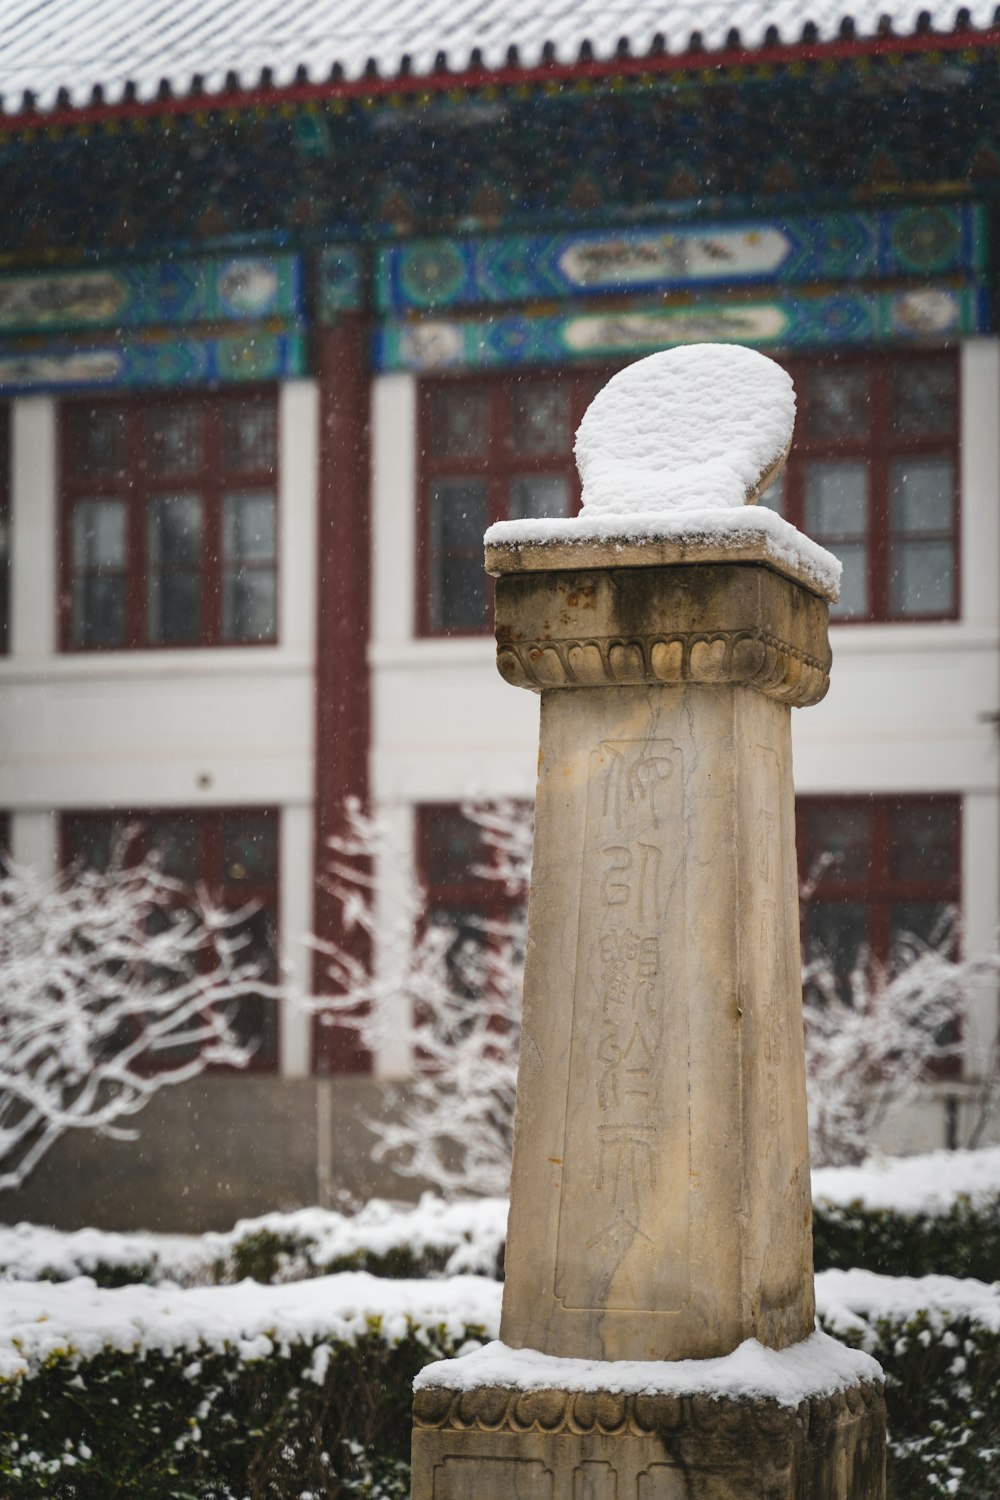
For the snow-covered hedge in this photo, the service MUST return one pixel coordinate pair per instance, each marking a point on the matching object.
(910, 1216)
(285, 1392)
(902, 1216)
(302, 1391)
(433, 1238)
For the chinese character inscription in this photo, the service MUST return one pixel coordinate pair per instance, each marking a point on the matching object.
(626, 1154)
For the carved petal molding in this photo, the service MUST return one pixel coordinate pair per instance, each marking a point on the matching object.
(750, 658)
(499, 1409)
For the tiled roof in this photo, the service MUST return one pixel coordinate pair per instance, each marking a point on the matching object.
(72, 45)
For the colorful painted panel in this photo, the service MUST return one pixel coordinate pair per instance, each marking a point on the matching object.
(252, 355)
(929, 240)
(341, 281)
(922, 314)
(158, 293)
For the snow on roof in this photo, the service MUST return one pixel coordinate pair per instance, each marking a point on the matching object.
(48, 45)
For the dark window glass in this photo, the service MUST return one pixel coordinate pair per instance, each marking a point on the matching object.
(98, 581)
(873, 476)
(460, 423)
(490, 450)
(249, 437)
(250, 848)
(99, 440)
(91, 841)
(838, 935)
(838, 834)
(249, 577)
(541, 418)
(924, 398)
(163, 548)
(174, 584)
(175, 440)
(536, 495)
(838, 402)
(455, 858)
(452, 846)
(458, 521)
(881, 877)
(923, 841)
(177, 842)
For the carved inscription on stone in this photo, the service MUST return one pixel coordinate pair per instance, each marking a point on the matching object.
(768, 890)
(626, 1147)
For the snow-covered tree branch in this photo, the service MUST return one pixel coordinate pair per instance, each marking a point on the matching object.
(448, 996)
(112, 986)
(874, 1039)
(449, 993)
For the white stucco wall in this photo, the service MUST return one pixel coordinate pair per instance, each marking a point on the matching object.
(161, 729)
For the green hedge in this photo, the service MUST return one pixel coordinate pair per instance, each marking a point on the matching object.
(314, 1421)
(941, 1394)
(309, 1420)
(963, 1242)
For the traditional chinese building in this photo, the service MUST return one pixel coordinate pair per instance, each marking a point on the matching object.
(294, 303)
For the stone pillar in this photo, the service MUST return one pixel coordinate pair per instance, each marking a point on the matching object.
(660, 1196)
(660, 1200)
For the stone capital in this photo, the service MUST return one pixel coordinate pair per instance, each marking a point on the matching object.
(736, 623)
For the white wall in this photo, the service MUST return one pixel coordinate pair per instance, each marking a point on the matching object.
(190, 729)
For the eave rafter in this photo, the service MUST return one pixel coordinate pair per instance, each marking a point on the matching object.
(734, 61)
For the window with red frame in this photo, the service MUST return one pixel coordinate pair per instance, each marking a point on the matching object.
(169, 521)
(454, 861)
(4, 527)
(233, 854)
(873, 476)
(875, 872)
(491, 450)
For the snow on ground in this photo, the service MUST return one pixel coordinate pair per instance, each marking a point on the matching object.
(818, 1366)
(928, 1184)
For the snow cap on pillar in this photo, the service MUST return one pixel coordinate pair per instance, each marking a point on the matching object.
(673, 454)
(705, 426)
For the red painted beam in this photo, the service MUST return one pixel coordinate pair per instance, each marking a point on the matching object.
(343, 613)
(651, 66)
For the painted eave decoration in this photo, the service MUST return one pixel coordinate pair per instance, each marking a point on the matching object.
(64, 61)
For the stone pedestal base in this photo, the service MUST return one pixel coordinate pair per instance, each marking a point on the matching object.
(499, 1444)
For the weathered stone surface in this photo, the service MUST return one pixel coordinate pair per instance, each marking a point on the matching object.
(660, 1193)
(725, 623)
(649, 552)
(488, 1445)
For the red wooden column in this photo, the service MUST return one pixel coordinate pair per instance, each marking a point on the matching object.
(343, 714)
